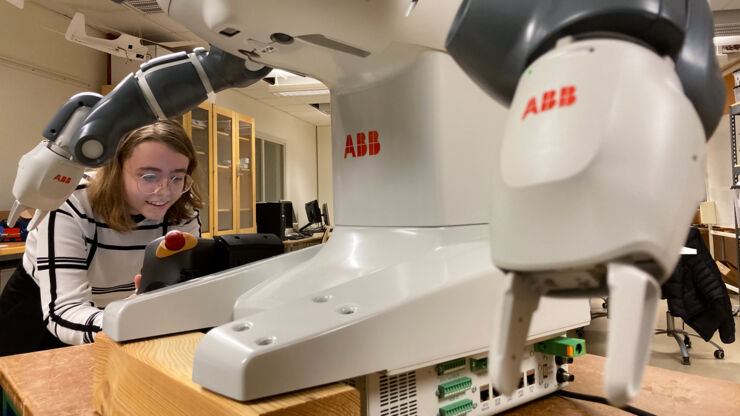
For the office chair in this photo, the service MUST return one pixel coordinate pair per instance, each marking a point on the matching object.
(681, 336)
(685, 343)
(682, 291)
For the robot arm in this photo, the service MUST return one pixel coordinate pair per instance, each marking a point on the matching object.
(86, 130)
(610, 106)
(494, 42)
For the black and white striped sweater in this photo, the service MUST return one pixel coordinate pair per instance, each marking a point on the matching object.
(81, 265)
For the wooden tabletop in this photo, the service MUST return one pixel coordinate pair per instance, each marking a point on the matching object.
(12, 248)
(53, 382)
(60, 382)
(663, 392)
(316, 237)
(154, 377)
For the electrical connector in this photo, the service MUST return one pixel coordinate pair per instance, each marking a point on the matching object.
(562, 347)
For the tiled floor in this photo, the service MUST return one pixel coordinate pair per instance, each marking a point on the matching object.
(665, 352)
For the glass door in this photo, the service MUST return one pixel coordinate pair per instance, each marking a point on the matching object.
(245, 176)
(225, 167)
(200, 134)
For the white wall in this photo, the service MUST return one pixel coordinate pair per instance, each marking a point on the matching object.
(39, 71)
(719, 173)
(326, 188)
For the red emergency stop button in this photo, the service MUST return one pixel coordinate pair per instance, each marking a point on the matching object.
(174, 240)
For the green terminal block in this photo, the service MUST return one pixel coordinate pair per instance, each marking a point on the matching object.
(454, 386)
(456, 408)
(448, 366)
(479, 364)
(563, 347)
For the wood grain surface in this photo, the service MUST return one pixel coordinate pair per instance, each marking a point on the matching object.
(153, 377)
(54, 382)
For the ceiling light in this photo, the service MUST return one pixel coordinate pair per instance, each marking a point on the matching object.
(726, 40)
(301, 93)
(286, 78)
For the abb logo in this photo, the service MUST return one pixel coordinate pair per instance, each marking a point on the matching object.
(62, 179)
(372, 146)
(550, 99)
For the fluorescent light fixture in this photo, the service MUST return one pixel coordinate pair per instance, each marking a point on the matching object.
(281, 77)
(726, 40)
(301, 93)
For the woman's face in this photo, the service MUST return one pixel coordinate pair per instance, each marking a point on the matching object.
(158, 159)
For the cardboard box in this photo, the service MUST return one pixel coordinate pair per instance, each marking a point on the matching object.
(729, 273)
(725, 248)
(708, 213)
(697, 218)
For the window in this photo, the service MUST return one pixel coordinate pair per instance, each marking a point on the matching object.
(270, 166)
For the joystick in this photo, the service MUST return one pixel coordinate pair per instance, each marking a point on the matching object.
(178, 256)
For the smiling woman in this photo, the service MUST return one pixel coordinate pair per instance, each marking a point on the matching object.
(163, 149)
(87, 252)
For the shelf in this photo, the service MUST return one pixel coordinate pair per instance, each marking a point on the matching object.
(246, 139)
(224, 167)
(198, 152)
(224, 211)
(723, 233)
(223, 133)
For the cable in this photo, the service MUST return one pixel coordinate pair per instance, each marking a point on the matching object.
(597, 399)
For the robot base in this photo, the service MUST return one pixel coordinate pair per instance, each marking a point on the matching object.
(371, 299)
(465, 388)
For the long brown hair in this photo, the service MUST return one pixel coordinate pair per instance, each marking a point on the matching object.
(105, 190)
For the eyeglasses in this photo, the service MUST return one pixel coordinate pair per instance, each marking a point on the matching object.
(150, 183)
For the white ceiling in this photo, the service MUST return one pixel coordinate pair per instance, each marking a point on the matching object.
(724, 4)
(108, 16)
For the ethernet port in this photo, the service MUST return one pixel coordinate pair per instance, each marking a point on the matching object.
(485, 394)
(521, 381)
(495, 392)
(530, 377)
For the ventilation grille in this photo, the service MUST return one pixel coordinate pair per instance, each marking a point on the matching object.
(145, 6)
(398, 395)
(727, 29)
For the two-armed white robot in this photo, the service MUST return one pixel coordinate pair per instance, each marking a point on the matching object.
(486, 211)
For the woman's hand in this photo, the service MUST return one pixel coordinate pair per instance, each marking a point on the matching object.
(137, 281)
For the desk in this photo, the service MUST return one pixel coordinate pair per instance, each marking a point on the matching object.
(293, 245)
(149, 377)
(12, 250)
(54, 382)
(60, 382)
(663, 392)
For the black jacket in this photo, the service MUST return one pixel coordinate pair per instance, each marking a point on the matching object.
(695, 292)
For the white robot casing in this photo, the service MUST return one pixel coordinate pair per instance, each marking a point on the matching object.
(630, 149)
(409, 255)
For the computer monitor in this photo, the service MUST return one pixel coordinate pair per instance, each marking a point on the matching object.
(325, 213)
(313, 212)
(288, 212)
(275, 217)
